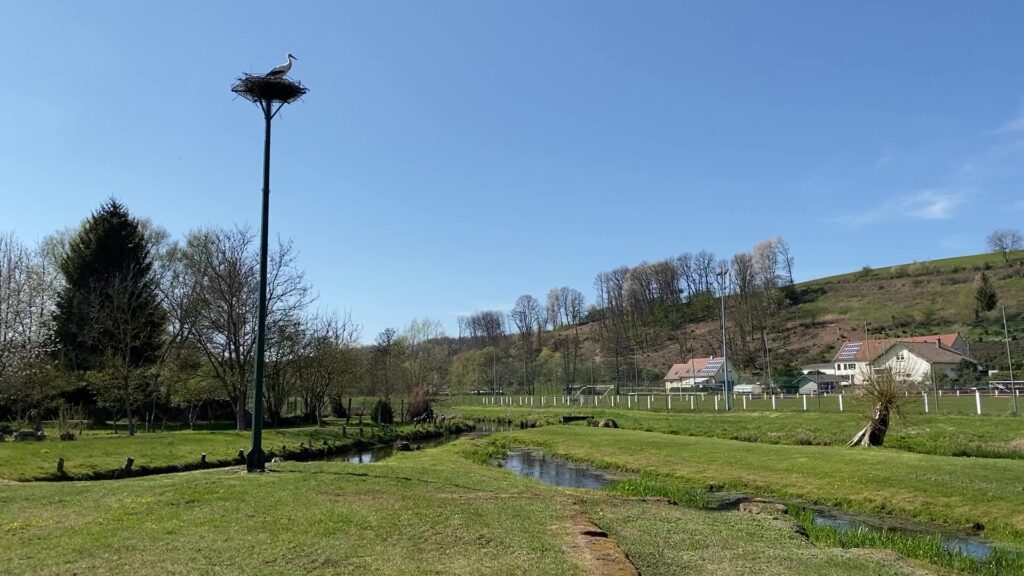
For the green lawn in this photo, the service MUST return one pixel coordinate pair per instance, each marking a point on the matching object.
(100, 452)
(956, 492)
(941, 435)
(430, 512)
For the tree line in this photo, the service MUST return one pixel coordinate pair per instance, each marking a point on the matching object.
(121, 319)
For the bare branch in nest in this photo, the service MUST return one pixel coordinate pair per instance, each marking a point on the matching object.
(257, 88)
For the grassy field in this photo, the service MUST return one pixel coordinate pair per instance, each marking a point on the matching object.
(956, 492)
(100, 451)
(431, 512)
(941, 435)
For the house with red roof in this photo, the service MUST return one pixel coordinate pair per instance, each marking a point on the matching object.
(700, 373)
(855, 359)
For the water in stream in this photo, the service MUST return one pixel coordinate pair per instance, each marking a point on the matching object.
(536, 465)
(842, 522)
(378, 453)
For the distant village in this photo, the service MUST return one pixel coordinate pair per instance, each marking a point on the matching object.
(940, 360)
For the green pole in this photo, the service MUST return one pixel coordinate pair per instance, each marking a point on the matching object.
(255, 460)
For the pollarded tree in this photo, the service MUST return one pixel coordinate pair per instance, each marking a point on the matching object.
(889, 390)
(108, 315)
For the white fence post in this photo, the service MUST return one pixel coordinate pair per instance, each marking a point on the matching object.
(925, 394)
(669, 402)
(691, 404)
(629, 401)
(805, 402)
(744, 402)
(773, 401)
(977, 400)
(716, 402)
(648, 402)
(840, 402)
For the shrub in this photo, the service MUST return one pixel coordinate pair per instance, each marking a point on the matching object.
(338, 408)
(419, 404)
(71, 422)
(382, 412)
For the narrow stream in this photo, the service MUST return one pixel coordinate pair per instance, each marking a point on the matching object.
(843, 522)
(378, 453)
(535, 464)
(559, 472)
(549, 470)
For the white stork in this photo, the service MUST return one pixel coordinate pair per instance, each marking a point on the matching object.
(282, 70)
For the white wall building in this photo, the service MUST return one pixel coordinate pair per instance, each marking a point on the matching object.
(918, 361)
(855, 360)
(698, 372)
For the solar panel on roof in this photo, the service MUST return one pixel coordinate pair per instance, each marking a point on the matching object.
(711, 368)
(850, 350)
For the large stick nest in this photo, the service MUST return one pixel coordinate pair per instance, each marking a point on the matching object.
(257, 88)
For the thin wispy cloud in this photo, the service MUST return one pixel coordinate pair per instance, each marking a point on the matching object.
(1015, 124)
(932, 204)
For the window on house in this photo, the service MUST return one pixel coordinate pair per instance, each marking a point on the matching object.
(900, 357)
(839, 366)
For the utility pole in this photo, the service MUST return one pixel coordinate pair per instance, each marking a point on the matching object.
(1009, 360)
(722, 273)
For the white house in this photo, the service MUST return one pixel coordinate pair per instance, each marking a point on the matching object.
(918, 361)
(812, 384)
(818, 369)
(855, 359)
(698, 372)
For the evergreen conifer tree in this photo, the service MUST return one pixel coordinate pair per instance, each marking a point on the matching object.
(108, 319)
(985, 296)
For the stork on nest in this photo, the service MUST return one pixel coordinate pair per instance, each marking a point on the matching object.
(282, 70)
(256, 88)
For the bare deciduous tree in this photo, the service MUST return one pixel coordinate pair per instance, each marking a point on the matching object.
(124, 312)
(1005, 241)
(224, 265)
(386, 362)
(526, 315)
(28, 282)
(330, 362)
(426, 357)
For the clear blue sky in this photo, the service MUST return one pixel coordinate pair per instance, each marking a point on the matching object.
(452, 155)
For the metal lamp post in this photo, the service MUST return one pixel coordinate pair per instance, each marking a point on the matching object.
(722, 273)
(269, 95)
